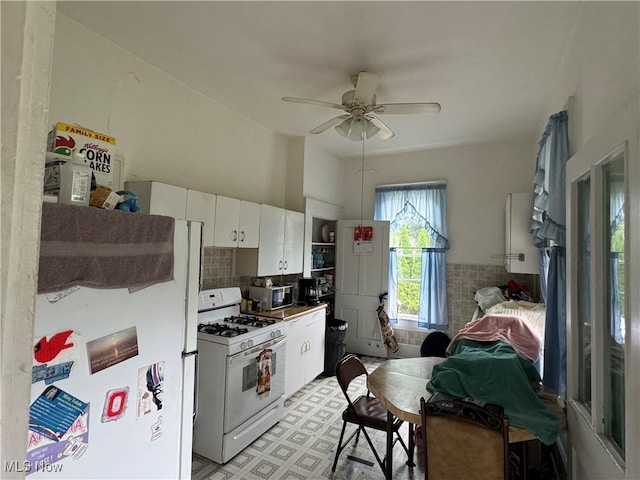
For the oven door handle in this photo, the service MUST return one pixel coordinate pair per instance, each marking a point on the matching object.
(273, 344)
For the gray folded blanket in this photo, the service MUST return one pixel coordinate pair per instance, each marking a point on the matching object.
(98, 248)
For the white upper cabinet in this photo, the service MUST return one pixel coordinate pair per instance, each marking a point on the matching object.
(293, 242)
(201, 207)
(157, 198)
(237, 223)
(249, 225)
(281, 241)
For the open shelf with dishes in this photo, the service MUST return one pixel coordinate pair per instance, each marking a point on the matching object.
(323, 246)
(323, 259)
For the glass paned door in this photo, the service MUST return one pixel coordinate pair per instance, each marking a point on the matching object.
(584, 292)
(614, 347)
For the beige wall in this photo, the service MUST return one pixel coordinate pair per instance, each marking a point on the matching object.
(165, 130)
(478, 180)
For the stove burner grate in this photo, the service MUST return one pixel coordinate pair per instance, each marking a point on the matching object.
(250, 321)
(221, 330)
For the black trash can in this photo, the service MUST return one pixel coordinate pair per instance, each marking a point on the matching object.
(333, 345)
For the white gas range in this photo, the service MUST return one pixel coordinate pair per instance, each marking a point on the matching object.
(241, 375)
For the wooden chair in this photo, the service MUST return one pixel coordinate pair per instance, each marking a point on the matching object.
(464, 439)
(365, 411)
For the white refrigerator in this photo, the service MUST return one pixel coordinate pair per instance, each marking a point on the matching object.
(362, 275)
(125, 407)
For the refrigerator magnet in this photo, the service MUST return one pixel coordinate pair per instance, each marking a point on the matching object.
(107, 351)
(53, 413)
(115, 404)
(150, 386)
(54, 356)
(43, 452)
(156, 429)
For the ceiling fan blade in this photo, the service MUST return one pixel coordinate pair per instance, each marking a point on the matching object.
(385, 132)
(308, 101)
(406, 108)
(366, 86)
(329, 123)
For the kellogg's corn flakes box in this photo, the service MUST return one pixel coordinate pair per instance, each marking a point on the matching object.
(97, 149)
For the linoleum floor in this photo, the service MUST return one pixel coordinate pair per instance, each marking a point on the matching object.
(302, 445)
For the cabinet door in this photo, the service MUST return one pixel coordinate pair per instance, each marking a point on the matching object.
(249, 225)
(294, 375)
(270, 249)
(225, 232)
(160, 198)
(293, 242)
(201, 207)
(315, 333)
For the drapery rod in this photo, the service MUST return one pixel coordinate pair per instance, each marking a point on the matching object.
(434, 182)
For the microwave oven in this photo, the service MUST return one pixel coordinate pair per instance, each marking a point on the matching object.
(272, 298)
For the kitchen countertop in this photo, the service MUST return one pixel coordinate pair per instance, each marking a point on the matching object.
(289, 313)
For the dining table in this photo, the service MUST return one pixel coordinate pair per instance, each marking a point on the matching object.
(400, 383)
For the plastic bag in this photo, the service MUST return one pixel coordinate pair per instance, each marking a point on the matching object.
(488, 297)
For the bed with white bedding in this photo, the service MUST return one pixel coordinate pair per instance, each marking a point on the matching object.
(491, 301)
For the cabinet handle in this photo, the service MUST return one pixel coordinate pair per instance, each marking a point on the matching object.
(234, 235)
(286, 264)
(242, 236)
(280, 265)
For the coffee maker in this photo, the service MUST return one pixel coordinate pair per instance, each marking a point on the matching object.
(309, 290)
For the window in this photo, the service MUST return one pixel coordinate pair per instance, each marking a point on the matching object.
(600, 298)
(584, 293)
(613, 186)
(418, 242)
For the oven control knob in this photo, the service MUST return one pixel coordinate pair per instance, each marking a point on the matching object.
(276, 334)
(243, 345)
(250, 343)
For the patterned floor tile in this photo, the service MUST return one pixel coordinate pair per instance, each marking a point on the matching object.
(302, 445)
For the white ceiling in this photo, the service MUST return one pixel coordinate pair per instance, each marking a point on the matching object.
(490, 65)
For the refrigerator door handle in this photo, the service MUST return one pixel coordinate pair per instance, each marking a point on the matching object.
(195, 389)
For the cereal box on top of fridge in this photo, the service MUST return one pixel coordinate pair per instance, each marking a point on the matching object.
(97, 149)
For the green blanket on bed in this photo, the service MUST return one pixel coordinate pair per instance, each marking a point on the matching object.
(494, 373)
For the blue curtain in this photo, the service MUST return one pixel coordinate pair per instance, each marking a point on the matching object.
(548, 230)
(425, 204)
(555, 337)
(433, 304)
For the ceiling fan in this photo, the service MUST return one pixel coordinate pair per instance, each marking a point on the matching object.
(361, 120)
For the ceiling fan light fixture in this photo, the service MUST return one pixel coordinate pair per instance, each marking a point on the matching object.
(356, 128)
(344, 128)
(371, 129)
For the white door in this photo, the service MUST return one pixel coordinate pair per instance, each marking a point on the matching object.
(315, 329)
(249, 225)
(362, 275)
(270, 251)
(226, 222)
(293, 242)
(603, 308)
(294, 373)
(201, 207)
